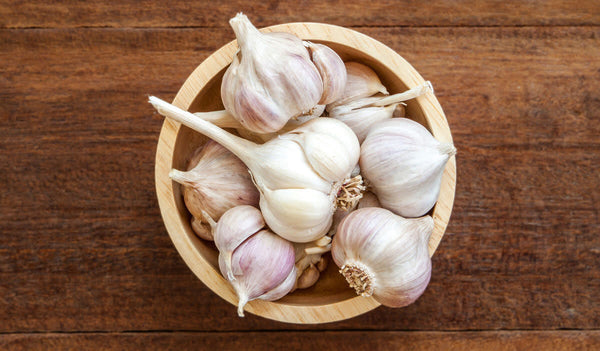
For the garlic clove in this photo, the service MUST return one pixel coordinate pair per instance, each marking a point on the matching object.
(332, 71)
(308, 278)
(260, 264)
(404, 165)
(282, 289)
(234, 227)
(361, 82)
(297, 214)
(322, 264)
(270, 80)
(202, 230)
(216, 181)
(384, 255)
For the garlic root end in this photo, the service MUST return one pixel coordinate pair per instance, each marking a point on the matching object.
(359, 278)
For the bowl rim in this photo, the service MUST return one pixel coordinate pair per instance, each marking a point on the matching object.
(212, 65)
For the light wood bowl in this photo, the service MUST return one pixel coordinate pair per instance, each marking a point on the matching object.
(330, 299)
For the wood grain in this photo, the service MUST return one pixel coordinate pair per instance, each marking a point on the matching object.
(451, 341)
(386, 13)
(83, 246)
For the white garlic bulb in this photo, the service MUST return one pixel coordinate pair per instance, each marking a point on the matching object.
(263, 268)
(384, 255)
(270, 80)
(216, 181)
(299, 174)
(404, 164)
(332, 71)
(361, 82)
(234, 227)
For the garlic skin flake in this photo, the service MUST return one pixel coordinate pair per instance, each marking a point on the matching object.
(216, 181)
(384, 255)
(263, 267)
(404, 164)
(270, 80)
(299, 182)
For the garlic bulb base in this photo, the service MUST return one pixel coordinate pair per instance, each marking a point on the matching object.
(359, 278)
(350, 193)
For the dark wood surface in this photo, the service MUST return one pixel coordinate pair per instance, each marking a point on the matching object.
(86, 263)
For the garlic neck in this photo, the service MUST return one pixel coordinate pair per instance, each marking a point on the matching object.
(349, 193)
(243, 29)
(183, 178)
(358, 277)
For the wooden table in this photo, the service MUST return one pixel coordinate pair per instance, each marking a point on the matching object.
(86, 263)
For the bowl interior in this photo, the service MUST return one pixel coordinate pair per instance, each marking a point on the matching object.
(331, 288)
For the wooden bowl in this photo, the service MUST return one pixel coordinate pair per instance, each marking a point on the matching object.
(330, 299)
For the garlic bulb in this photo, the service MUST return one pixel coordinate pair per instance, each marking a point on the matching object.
(216, 181)
(384, 255)
(332, 71)
(404, 165)
(263, 268)
(299, 174)
(235, 226)
(270, 80)
(361, 82)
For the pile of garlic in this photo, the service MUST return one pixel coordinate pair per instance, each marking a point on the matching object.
(319, 158)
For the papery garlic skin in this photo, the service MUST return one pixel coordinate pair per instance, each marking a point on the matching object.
(404, 164)
(270, 80)
(384, 255)
(368, 200)
(216, 181)
(234, 227)
(260, 264)
(298, 181)
(332, 71)
(361, 82)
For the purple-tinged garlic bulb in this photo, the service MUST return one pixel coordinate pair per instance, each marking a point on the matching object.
(384, 255)
(270, 80)
(216, 181)
(263, 268)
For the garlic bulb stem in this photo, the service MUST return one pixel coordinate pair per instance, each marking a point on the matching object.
(447, 148)
(240, 147)
(381, 101)
(182, 177)
(407, 95)
(220, 118)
